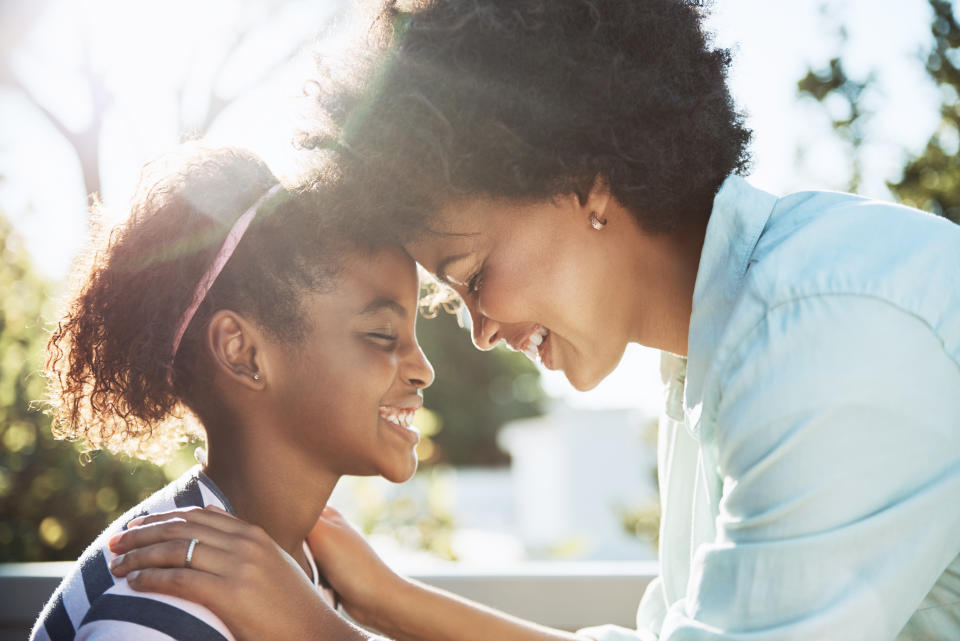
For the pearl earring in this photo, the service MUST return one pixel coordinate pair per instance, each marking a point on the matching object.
(596, 223)
(256, 376)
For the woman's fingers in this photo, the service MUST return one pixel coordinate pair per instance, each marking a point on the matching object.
(172, 554)
(210, 515)
(191, 585)
(143, 535)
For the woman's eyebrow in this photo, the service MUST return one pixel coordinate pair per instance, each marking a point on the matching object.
(442, 267)
(385, 303)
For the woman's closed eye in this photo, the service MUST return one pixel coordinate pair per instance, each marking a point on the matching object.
(475, 281)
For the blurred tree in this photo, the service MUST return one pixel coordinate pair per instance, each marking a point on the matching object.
(474, 393)
(930, 181)
(52, 502)
(834, 82)
(204, 88)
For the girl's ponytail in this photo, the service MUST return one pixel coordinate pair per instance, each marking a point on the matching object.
(109, 359)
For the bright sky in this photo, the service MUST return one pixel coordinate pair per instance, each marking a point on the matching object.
(41, 188)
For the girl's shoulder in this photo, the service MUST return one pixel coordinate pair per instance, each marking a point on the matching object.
(91, 603)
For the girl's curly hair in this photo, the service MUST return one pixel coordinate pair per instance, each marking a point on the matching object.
(109, 358)
(528, 99)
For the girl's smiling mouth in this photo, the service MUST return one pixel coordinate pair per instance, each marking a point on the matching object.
(402, 419)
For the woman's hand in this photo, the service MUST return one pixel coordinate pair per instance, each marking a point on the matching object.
(237, 571)
(367, 587)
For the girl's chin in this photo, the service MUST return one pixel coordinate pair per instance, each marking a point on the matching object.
(401, 474)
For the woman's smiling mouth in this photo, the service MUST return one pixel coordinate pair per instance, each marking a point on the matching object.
(532, 344)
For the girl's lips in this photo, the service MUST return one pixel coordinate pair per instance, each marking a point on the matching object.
(401, 420)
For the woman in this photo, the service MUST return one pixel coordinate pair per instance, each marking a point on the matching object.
(569, 168)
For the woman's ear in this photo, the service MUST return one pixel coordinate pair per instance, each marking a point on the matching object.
(597, 200)
(235, 346)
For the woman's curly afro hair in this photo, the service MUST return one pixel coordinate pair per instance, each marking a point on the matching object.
(528, 99)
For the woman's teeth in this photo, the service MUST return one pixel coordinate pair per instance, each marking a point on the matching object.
(398, 416)
(531, 345)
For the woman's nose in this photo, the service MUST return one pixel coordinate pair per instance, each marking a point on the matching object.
(486, 331)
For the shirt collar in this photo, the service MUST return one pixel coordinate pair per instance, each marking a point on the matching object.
(740, 213)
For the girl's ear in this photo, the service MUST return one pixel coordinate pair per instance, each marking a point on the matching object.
(235, 346)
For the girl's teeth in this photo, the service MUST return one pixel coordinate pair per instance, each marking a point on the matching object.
(536, 339)
(403, 418)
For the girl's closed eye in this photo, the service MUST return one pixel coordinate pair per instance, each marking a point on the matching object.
(383, 338)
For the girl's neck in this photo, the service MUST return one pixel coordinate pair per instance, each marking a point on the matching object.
(270, 485)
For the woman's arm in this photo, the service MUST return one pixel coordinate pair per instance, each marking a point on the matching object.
(240, 574)
(407, 610)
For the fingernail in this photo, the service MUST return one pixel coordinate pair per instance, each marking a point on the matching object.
(115, 561)
(133, 575)
(114, 540)
(135, 522)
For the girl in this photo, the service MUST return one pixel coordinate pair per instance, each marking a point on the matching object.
(286, 333)
(570, 168)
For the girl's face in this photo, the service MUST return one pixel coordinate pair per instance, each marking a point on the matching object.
(539, 277)
(350, 388)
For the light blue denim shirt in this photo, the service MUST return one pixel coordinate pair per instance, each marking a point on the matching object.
(809, 455)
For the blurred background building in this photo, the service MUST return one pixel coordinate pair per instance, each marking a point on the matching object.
(842, 94)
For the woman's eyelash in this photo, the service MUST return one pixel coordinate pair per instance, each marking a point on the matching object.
(386, 337)
(473, 284)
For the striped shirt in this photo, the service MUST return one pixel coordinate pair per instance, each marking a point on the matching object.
(91, 604)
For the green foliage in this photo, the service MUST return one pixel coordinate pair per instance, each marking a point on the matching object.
(417, 515)
(474, 393)
(52, 502)
(834, 81)
(930, 181)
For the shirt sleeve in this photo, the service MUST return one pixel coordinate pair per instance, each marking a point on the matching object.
(837, 443)
(121, 613)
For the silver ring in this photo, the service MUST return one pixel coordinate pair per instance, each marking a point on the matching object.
(188, 562)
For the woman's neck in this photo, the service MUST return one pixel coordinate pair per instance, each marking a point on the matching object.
(269, 484)
(666, 274)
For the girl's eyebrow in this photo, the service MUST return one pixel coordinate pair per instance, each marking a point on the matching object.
(385, 303)
(442, 267)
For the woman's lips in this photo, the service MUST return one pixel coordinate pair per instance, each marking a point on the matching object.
(532, 345)
(546, 352)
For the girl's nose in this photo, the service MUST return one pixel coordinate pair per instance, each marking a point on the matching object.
(419, 371)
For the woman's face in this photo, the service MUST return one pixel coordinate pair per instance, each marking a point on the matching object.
(351, 386)
(539, 277)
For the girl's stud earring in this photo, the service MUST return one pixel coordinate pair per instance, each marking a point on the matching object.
(256, 376)
(596, 223)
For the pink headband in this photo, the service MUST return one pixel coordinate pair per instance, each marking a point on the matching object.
(206, 281)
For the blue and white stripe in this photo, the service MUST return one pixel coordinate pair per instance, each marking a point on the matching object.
(90, 604)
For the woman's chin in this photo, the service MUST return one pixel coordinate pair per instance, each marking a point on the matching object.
(586, 376)
(583, 385)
